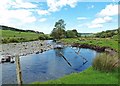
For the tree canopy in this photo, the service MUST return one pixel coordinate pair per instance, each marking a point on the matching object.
(58, 31)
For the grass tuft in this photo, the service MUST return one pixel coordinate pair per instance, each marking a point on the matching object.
(106, 62)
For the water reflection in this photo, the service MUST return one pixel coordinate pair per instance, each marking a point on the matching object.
(48, 65)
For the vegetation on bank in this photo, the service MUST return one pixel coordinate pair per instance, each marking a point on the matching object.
(106, 62)
(107, 42)
(88, 76)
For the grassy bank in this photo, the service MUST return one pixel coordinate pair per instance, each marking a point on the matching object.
(108, 42)
(89, 76)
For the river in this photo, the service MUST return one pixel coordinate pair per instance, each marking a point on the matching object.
(49, 65)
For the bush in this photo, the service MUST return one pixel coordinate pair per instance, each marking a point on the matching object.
(12, 40)
(106, 62)
(43, 37)
(4, 40)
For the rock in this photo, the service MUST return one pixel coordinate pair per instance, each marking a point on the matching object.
(37, 52)
(41, 50)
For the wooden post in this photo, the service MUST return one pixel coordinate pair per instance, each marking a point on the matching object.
(18, 71)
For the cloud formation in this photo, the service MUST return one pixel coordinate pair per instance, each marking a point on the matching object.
(9, 12)
(104, 16)
(56, 5)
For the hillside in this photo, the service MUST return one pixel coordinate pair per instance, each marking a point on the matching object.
(15, 29)
(10, 35)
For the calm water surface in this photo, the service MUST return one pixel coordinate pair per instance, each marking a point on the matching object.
(48, 65)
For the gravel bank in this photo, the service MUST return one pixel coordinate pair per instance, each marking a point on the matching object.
(25, 48)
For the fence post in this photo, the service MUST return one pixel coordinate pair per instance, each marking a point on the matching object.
(18, 71)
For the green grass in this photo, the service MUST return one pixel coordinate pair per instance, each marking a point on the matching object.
(9, 36)
(89, 76)
(113, 43)
(9, 33)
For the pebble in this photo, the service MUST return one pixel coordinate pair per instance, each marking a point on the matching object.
(25, 48)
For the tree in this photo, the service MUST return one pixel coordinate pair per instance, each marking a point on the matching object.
(75, 31)
(70, 34)
(58, 31)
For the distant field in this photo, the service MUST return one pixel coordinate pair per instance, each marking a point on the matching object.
(9, 33)
(9, 36)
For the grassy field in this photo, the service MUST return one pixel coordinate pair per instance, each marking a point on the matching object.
(89, 76)
(10, 33)
(9, 36)
(108, 42)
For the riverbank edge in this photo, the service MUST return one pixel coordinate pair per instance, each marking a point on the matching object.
(93, 47)
(87, 77)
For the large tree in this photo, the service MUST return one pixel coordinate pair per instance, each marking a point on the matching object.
(58, 31)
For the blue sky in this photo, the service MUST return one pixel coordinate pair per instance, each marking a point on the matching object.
(41, 15)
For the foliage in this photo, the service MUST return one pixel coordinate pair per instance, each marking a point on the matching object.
(72, 33)
(43, 37)
(105, 34)
(88, 76)
(13, 40)
(59, 31)
(106, 62)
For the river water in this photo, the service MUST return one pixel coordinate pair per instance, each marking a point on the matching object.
(49, 65)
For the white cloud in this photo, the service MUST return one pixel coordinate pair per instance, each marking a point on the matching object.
(102, 20)
(22, 4)
(56, 5)
(22, 15)
(10, 16)
(81, 18)
(43, 12)
(109, 10)
(95, 26)
(104, 16)
(98, 22)
(42, 19)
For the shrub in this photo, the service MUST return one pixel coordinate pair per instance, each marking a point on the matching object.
(106, 62)
(43, 37)
(4, 40)
(12, 40)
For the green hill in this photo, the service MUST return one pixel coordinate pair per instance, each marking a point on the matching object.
(10, 35)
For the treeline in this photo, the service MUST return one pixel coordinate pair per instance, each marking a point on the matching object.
(20, 30)
(107, 34)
